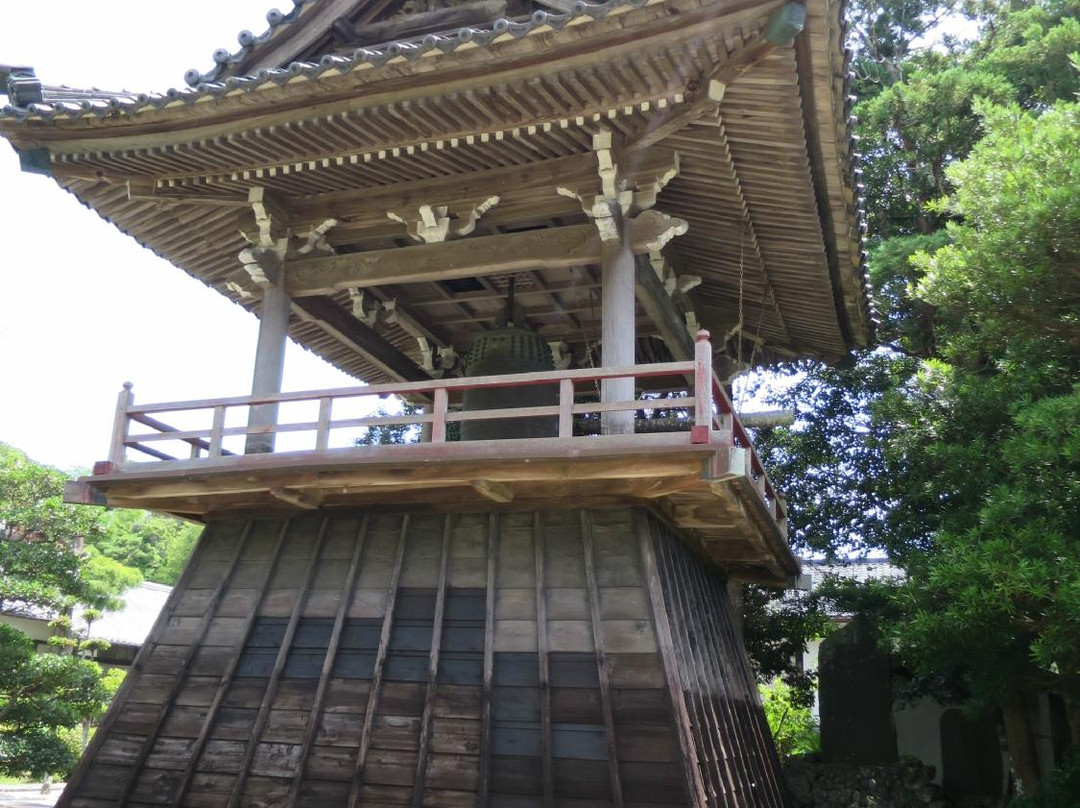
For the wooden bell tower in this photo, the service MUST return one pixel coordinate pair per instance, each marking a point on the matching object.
(530, 618)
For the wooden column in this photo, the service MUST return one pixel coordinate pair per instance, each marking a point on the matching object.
(269, 364)
(617, 333)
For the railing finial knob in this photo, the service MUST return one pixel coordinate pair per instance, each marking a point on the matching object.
(128, 386)
(701, 336)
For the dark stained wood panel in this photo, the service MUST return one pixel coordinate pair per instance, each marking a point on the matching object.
(528, 659)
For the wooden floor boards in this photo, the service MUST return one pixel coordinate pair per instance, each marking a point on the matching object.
(557, 658)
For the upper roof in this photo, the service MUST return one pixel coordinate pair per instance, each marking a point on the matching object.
(766, 178)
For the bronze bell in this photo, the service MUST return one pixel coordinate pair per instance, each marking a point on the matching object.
(510, 349)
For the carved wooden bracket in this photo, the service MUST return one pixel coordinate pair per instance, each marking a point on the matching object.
(621, 189)
(316, 240)
(432, 224)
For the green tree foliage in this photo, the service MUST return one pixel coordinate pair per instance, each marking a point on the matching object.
(157, 546)
(790, 721)
(41, 542)
(955, 447)
(40, 696)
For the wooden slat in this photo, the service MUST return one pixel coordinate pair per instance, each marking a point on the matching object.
(601, 658)
(547, 770)
(226, 679)
(380, 662)
(695, 787)
(328, 661)
(188, 655)
(279, 666)
(433, 667)
(738, 765)
(759, 749)
(484, 784)
(713, 738)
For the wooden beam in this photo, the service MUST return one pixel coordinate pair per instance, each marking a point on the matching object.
(496, 492)
(367, 207)
(658, 305)
(307, 500)
(329, 316)
(551, 248)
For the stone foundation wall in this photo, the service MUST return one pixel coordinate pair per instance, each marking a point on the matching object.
(907, 784)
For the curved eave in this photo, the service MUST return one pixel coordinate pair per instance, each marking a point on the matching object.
(108, 139)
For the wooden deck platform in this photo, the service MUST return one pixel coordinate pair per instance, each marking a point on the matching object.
(707, 480)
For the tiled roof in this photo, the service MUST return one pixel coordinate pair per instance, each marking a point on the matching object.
(248, 42)
(858, 569)
(70, 103)
(129, 625)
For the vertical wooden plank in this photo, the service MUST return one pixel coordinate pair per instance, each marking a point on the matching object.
(322, 430)
(566, 408)
(189, 653)
(433, 667)
(380, 662)
(438, 416)
(216, 431)
(601, 659)
(547, 769)
(230, 670)
(328, 661)
(695, 788)
(484, 784)
(132, 678)
(279, 666)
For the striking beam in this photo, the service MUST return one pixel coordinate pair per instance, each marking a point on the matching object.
(552, 248)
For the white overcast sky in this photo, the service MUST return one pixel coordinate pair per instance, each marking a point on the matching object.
(84, 308)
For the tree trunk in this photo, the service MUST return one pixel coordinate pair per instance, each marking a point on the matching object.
(1072, 716)
(1021, 742)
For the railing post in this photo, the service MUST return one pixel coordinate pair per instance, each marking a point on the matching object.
(216, 430)
(322, 431)
(438, 416)
(117, 450)
(566, 408)
(703, 404)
